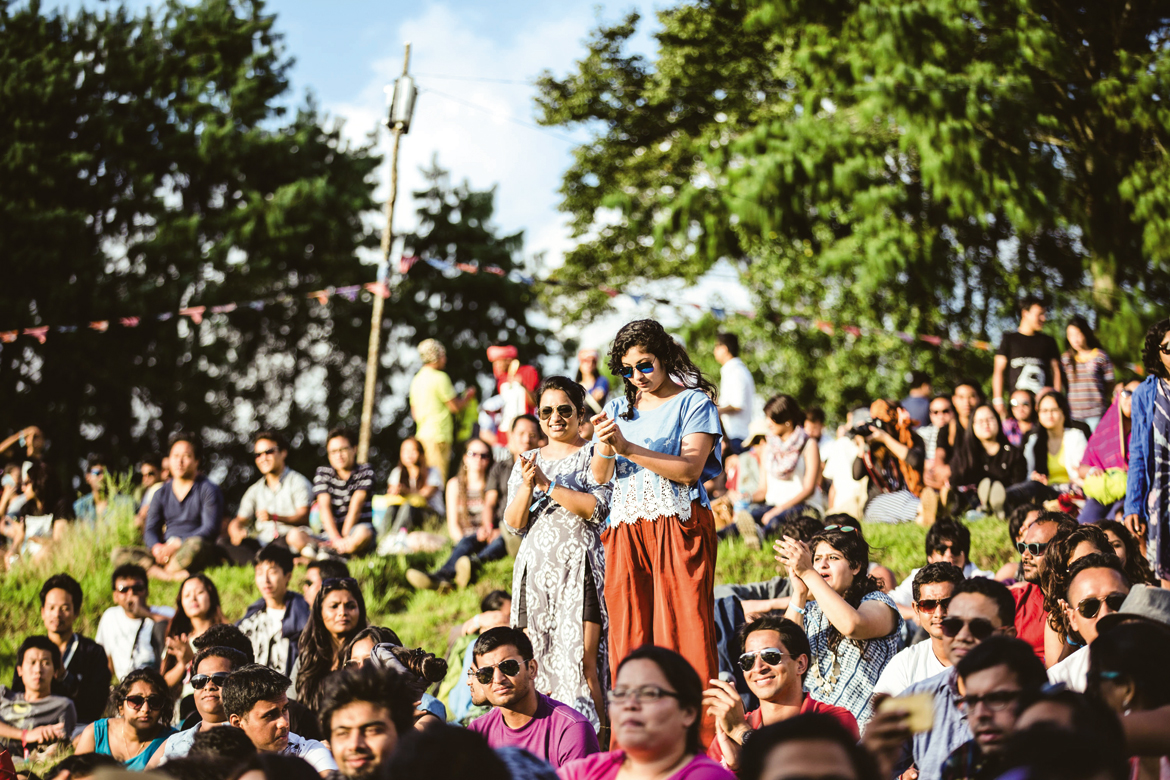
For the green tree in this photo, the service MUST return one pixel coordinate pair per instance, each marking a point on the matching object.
(897, 166)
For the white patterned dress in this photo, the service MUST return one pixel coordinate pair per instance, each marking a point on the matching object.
(550, 575)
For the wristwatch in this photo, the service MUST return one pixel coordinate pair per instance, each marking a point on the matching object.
(743, 740)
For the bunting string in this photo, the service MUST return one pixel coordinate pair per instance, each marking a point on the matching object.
(450, 268)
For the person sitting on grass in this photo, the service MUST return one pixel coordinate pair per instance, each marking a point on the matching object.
(495, 609)
(947, 541)
(338, 614)
(98, 502)
(934, 586)
(1097, 587)
(276, 503)
(255, 699)
(86, 677)
(35, 717)
(342, 491)
(144, 706)
(319, 571)
(522, 716)
(183, 520)
(364, 712)
(273, 623)
(775, 658)
(132, 633)
(197, 609)
(209, 672)
(807, 746)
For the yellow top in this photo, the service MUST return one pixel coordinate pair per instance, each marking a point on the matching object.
(1057, 473)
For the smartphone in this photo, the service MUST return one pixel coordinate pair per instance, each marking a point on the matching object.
(7, 481)
(920, 707)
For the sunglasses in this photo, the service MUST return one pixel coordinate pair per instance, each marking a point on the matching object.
(1127, 393)
(1091, 606)
(480, 455)
(930, 605)
(996, 701)
(564, 411)
(135, 588)
(941, 411)
(97, 472)
(199, 681)
(1164, 349)
(509, 667)
(643, 693)
(980, 628)
(628, 372)
(1035, 548)
(772, 656)
(1021, 403)
(842, 528)
(269, 451)
(153, 702)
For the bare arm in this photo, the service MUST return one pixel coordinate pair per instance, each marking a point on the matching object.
(869, 621)
(812, 476)
(85, 743)
(997, 373)
(356, 502)
(325, 509)
(454, 507)
(1057, 377)
(686, 468)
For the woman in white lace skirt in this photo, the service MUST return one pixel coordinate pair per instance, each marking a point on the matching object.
(560, 510)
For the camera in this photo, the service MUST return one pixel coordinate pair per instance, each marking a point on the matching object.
(866, 428)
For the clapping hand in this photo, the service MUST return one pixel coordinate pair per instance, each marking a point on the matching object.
(609, 434)
(794, 555)
(533, 476)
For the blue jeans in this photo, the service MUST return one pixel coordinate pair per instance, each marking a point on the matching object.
(478, 551)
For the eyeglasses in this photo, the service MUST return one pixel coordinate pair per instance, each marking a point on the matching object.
(646, 367)
(930, 605)
(996, 701)
(941, 411)
(153, 702)
(1035, 548)
(842, 528)
(149, 473)
(1127, 393)
(1091, 606)
(772, 656)
(980, 628)
(509, 667)
(339, 450)
(641, 694)
(269, 451)
(480, 455)
(199, 681)
(1016, 402)
(564, 411)
(137, 587)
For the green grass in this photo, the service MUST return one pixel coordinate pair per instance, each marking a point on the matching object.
(421, 619)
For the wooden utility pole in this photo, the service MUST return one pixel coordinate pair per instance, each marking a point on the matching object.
(398, 125)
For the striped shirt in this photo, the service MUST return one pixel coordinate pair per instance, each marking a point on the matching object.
(327, 482)
(1088, 384)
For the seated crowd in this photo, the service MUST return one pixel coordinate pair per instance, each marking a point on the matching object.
(614, 655)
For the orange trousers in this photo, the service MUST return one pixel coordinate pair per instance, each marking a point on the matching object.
(659, 590)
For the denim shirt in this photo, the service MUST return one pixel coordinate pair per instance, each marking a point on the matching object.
(1141, 465)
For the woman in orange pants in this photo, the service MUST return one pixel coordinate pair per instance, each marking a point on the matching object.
(658, 444)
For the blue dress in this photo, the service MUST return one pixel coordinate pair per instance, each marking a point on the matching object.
(101, 739)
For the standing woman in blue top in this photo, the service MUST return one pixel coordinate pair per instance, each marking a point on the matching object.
(1147, 492)
(659, 444)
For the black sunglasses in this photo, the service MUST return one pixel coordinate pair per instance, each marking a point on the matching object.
(269, 451)
(980, 628)
(135, 588)
(1091, 606)
(199, 681)
(646, 367)
(1164, 349)
(153, 701)
(564, 411)
(772, 656)
(1036, 548)
(930, 605)
(509, 667)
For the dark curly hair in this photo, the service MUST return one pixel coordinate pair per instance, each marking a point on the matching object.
(155, 680)
(1151, 352)
(315, 647)
(853, 546)
(652, 337)
(1054, 579)
(574, 391)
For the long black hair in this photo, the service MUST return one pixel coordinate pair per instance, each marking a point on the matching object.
(1091, 340)
(853, 546)
(969, 450)
(652, 337)
(181, 622)
(315, 647)
(1151, 352)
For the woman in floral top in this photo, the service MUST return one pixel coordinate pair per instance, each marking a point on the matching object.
(853, 628)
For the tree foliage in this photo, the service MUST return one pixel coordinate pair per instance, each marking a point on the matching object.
(149, 164)
(911, 166)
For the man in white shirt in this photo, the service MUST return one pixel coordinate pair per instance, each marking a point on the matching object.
(255, 699)
(934, 584)
(1097, 586)
(947, 542)
(132, 633)
(278, 502)
(737, 391)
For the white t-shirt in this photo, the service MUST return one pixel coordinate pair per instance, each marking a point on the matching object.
(914, 664)
(126, 640)
(1072, 671)
(318, 756)
(738, 389)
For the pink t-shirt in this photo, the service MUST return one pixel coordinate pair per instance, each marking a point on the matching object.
(605, 766)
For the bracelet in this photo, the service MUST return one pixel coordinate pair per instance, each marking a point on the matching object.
(801, 610)
(607, 457)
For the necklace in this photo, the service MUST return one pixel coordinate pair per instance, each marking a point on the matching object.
(126, 741)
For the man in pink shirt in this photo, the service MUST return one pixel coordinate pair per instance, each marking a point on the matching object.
(503, 665)
(775, 658)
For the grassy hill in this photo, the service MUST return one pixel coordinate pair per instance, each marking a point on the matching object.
(420, 618)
